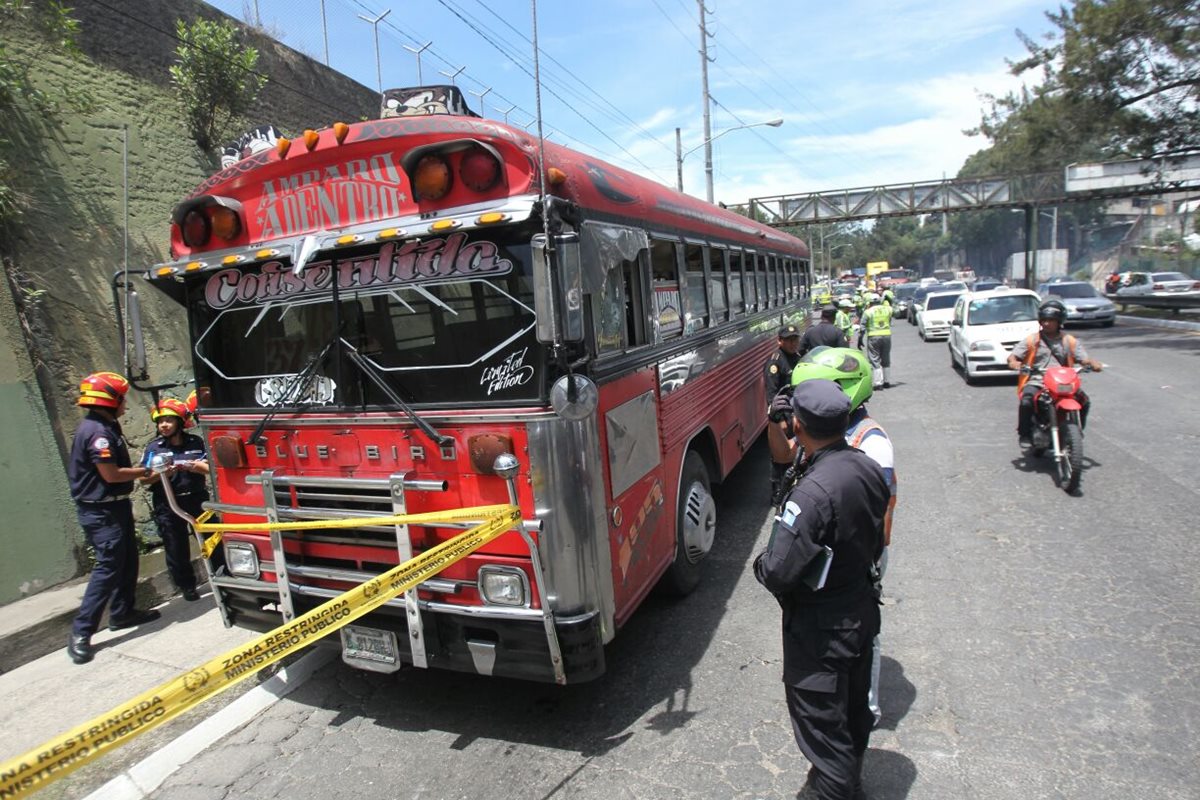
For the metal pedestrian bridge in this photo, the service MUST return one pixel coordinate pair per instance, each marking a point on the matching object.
(1077, 182)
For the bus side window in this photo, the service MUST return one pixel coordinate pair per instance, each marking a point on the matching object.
(608, 313)
(771, 293)
(697, 299)
(666, 307)
(635, 301)
(717, 284)
(736, 297)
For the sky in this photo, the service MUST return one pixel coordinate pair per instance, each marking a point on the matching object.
(871, 92)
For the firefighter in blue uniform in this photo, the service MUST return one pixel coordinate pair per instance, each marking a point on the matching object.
(830, 605)
(778, 373)
(188, 484)
(101, 477)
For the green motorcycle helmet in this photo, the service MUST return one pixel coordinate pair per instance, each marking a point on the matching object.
(845, 366)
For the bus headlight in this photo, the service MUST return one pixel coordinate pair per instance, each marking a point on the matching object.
(503, 586)
(241, 559)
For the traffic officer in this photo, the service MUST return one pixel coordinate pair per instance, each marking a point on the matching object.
(843, 320)
(877, 326)
(819, 565)
(188, 485)
(101, 478)
(778, 378)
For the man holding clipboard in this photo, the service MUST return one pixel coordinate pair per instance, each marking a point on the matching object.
(819, 565)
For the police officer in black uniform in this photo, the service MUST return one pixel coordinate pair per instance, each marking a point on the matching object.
(830, 603)
(188, 485)
(101, 479)
(823, 334)
(778, 373)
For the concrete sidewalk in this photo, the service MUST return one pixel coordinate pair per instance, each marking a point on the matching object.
(47, 696)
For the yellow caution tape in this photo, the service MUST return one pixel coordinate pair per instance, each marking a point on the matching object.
(208, 545)
(86, 742)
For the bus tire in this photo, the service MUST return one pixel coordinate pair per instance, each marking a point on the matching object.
(695, 527)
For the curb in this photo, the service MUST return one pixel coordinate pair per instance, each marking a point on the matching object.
(1175, 324)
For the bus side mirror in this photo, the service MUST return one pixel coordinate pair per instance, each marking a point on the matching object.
(558, 288)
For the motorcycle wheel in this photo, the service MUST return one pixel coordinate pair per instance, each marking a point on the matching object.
(1071, 467)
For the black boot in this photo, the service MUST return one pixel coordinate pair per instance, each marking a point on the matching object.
(79, 648)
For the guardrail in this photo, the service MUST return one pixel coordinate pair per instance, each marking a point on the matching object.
(1175, 302)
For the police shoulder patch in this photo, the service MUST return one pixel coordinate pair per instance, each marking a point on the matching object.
(790, 512)
(774, 368)
(100, 443)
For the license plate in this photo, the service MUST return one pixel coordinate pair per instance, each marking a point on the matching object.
(1087, 314)
(370, 649)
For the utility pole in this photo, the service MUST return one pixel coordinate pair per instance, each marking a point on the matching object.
(325, 32)
(704, 59)
(678, 161)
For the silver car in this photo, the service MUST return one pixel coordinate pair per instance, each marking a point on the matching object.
(1084, 304)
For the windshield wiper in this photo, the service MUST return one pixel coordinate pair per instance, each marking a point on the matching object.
(302, 379)
(367, 369)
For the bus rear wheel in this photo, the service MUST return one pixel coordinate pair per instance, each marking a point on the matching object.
(695, 527)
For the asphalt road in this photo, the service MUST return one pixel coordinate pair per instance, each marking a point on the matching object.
(1036, 645)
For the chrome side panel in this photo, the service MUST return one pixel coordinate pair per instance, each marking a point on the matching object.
(633, 446)
(568, 492)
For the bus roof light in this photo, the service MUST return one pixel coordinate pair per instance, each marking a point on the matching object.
(556, 176)
(163, 272)
(432, 178)
(266, 252)
(311, 138)
(195, 228)
(282, 145)
(340, 129)
(479, 170)
(390, 233)
(226, 260)
(225, 223)
(349, 238)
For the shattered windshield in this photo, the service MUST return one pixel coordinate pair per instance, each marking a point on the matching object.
(443, 321)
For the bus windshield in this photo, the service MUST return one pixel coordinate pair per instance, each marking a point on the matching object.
(436, 334)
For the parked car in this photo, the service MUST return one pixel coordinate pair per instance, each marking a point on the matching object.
(1084, 304)
(903, 299)
(1141, 283)
(986, 326)
(934, 320)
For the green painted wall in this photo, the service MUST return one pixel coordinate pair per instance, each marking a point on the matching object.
(58, 260)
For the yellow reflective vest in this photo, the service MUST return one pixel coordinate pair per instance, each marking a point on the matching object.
(878, 320)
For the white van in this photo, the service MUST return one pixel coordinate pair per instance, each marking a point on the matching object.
(986, 326)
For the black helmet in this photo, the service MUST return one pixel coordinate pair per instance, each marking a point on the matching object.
(1052, 309)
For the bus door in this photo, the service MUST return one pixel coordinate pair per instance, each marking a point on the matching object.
(628, 417)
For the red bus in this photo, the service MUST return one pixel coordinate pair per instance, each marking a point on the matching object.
(378, 310)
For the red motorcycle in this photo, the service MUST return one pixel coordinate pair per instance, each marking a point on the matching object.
(1057, 426)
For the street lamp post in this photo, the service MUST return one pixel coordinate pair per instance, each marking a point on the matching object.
(680, 155)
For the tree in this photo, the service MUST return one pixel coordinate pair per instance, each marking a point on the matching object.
(216, 79)
(1121, 79)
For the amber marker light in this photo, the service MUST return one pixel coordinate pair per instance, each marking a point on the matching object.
(162, 272)
(282, 146)
(340, 129)
(492, 218)
(443, 225)
(311, 138)
(556, 176)
(225, 260)
(268, 252)
(193, 266)
(390, 233)
(349, 238)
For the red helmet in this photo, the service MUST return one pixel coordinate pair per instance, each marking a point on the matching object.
(170, 407)
(103, 389)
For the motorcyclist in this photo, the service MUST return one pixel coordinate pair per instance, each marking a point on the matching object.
(1033, 355)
